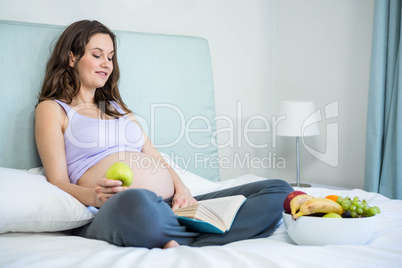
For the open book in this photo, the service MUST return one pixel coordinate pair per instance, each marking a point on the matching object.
(211, 216)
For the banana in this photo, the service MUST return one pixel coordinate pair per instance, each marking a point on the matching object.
(297, 201)
(318, 205)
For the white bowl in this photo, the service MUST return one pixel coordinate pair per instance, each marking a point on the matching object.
(319, 231)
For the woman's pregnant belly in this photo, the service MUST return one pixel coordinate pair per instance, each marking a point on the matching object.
(149, 173)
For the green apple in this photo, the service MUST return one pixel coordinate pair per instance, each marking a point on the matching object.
(332, 215)
(122, 172)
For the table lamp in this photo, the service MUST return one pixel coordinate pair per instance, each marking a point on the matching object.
(300, 121)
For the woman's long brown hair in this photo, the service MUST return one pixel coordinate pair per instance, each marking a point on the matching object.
(61, 81)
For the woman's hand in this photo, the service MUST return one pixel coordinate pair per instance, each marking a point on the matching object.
(182, 198)
(105, 189)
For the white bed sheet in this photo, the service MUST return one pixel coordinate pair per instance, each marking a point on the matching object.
(384, 249)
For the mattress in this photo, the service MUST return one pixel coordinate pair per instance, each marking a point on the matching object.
(55, 249)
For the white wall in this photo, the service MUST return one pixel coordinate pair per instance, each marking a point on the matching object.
(321, 49)
(323, 54)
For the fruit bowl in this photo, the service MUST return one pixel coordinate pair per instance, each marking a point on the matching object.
(318, 231)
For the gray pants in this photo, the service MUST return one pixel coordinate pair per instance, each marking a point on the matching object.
(139, 218)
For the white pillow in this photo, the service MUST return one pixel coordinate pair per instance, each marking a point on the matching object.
(29, 203)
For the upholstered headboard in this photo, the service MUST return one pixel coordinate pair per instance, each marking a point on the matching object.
(166, 80)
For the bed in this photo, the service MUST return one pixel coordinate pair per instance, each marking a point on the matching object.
(167, 81)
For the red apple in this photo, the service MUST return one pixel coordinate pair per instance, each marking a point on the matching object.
(286, 203)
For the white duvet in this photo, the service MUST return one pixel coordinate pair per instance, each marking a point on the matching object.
(384, 249)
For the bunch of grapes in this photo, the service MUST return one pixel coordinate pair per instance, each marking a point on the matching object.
(354, 208)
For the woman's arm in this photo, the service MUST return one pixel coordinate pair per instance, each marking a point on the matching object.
(50, 123)
(182, 195)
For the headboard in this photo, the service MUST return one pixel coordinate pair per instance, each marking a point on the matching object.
(165, 79)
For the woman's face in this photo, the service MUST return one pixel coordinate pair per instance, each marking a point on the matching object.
(96, 65)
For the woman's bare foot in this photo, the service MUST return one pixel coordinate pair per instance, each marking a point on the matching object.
(171, 244)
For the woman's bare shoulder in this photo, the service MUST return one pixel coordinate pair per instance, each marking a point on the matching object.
(50, 108)
(49, 105)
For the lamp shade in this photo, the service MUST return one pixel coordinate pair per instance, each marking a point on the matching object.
(301, 119)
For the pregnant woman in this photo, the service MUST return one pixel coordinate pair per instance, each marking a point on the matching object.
(82, 126)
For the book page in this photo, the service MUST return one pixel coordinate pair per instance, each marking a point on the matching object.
(224, 208)
(188, 211)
